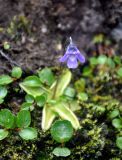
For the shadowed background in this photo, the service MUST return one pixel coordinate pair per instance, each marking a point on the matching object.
(43, 27)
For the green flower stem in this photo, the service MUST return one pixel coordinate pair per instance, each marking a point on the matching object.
(56, 85)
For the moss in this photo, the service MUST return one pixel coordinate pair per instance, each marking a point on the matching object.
(18, 24)
(16, 149)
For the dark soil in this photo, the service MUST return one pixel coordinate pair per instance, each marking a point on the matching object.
(51, 22)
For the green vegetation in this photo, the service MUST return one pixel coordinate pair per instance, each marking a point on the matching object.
(17, 123)
(84, 112)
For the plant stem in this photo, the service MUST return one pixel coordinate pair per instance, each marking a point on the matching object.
(56, 85)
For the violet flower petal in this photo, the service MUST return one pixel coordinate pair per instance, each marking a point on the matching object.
(71, 49)
(64, 58)
(72, 62)
(72, 56)
(80, 57)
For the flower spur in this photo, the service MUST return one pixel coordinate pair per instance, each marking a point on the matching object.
(72, 56)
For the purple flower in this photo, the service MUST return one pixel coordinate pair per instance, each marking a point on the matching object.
(72, 56)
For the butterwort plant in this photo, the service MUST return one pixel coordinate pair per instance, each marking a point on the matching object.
(53, 91)
(53, 95)
(72, 56)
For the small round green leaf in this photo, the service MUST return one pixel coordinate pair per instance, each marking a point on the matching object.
(41, 100)
(32, 81)
(3, 92)
(29, 98)
(6, 118)
(119, 72)
(70, 92)
(16, 72)
(114, 113)
(62, 131)
(82, 96)
(28, 133)
(87, 71)
(102, 59)
(5, 79)
(93, 61)
(110, 62)
(61, 152)
(27, 106)
(117, 59)
(6, 46)
(117, 123)
(23, 119)
(119, 142)
(1, 101)
(46, 76)
(3, 134)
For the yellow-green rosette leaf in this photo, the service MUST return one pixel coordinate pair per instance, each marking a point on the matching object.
(60, 86)
(47, 117)
(3, 134)
(63, 110)
(33, 86)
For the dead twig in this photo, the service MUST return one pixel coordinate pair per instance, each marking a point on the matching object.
(8, 58)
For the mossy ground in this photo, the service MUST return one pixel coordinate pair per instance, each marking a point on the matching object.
(95, 140)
